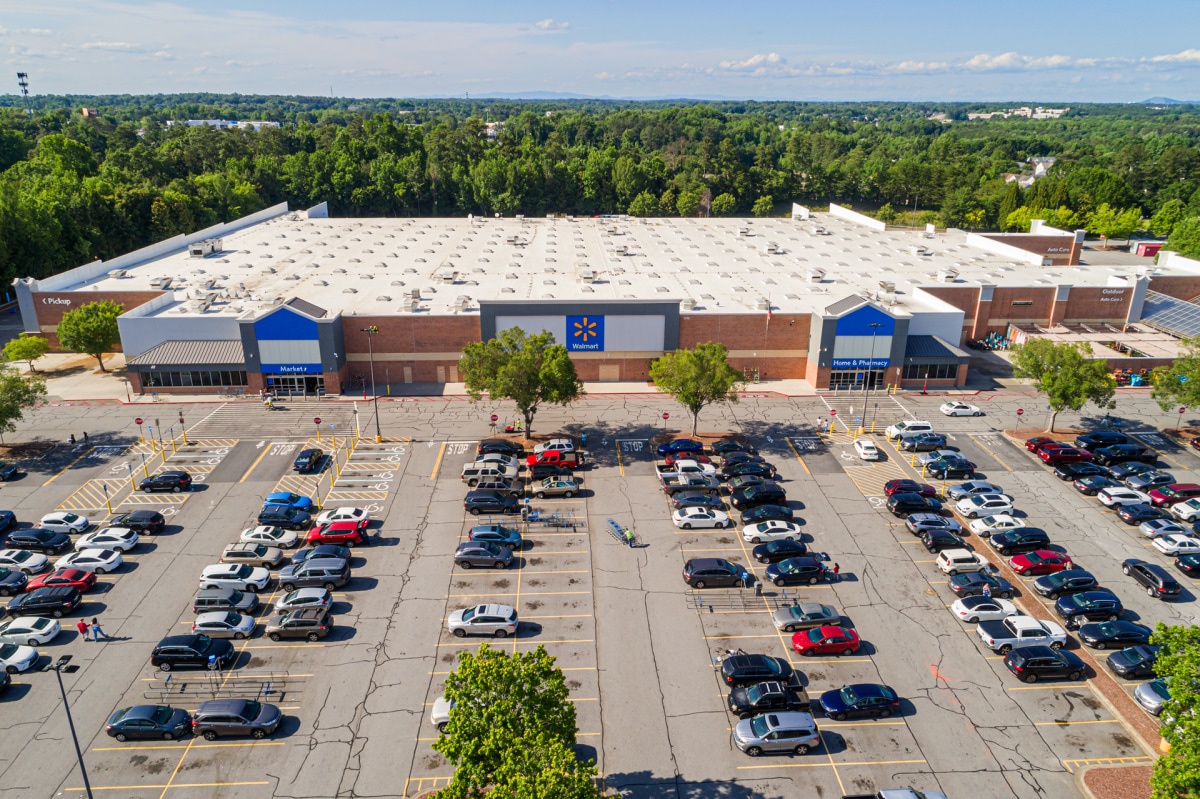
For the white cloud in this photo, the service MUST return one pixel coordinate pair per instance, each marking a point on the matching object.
(115, 47)
(551, 25)
(1186, 57)
(754, 61)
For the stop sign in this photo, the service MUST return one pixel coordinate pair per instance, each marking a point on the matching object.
(495, 417)
(833, 413)
(666, 416)
(138, 420)
(317, 420)
(1020, 411)
(1181, 410)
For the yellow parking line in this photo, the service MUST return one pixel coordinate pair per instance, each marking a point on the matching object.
(620, 465)
(515, 641)
(438, 464)
(68, 466)
(988, 451)
(266, 449)
(797, 454)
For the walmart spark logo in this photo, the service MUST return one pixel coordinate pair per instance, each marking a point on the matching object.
(585, 333)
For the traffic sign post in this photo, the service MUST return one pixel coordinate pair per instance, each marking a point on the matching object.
(138, 421)
(832, 421)
(1178, 421)
(495, 418)
(1020, 413)
(317, 422)
(183, 429)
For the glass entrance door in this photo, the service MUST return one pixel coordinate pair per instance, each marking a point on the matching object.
(295, 385)
(853, 379)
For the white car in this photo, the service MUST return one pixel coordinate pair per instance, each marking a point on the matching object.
(1186, 511)
(960, 409)
(271, 536)
(1177, 544)
(239, 576)
(773, 530)
(343, 515)
(688, 518)
(866, 449)
(501, 459)
(972, 488)
(1153, 528)
(304, 598)
(23, 560)
(1116, 496)
(974, 609)
(905, 428)
(440, 715)
(65, 522)
(29, 630)
(120, 538)
(224, 624)
(1000, 523)
(984, 505)
(100, 561)
(15, 658)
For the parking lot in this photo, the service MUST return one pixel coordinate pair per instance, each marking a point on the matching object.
(636, 643)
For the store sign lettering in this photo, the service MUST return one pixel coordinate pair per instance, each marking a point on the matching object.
(860, 363)
(55, 301)
(1112, 295)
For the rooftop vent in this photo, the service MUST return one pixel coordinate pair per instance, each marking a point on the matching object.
(687, 305)
(117, 273)
(816, 274)
(160, 282)
(947, 275)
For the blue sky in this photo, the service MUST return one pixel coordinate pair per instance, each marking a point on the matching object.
(849, 50)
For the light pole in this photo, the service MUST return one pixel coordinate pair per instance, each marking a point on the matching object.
(870, 371)
(371, 331)
(58, 668)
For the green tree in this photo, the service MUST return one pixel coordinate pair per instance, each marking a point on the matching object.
(688, 204)
(528, 369)
(1179, 383)
(697, 377)
(974, 218)
(1177, 771)
(1167, 217)
(91, 329)
(886, 214)
(1010, 203)
(666, 203)
(724, 205)
(27, 347)
(1185, 237)
(1065, 375)
(17, 394)
(1111, 223)
(762, 206)
(1019, 219)
(645, 204)
(511, 729)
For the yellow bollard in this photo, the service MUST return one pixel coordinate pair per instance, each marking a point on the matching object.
(334, 441)
(318, 435)
(185, 441)
(142, 437)
(173, 448)
(144, 469)
(108, 502)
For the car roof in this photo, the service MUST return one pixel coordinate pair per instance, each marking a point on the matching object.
(812, 607)
(495, 610)
(1035, 651)
(222, 706)
(141, 712)
(705, 563)
(336, 563)
(178, 640)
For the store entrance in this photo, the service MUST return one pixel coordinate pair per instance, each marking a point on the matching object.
(853, 379)
(295, 385)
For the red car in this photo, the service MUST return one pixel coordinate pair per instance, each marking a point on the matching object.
(909, 487)
(347, 533)
(687, 456)
(1042, 442)
(1057, 455)
(1168, 495)
(1195, 442)
(1041, 561)
(75, 578)
(826, 641)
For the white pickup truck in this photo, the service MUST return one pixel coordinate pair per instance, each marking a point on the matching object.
(1014, 631)
(684, 467)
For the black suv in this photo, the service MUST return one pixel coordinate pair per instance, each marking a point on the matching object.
(1073, 471)
(308, 460)
(701, 572)
(1021, 540)
(1073, 609)
(748, 468)
(477, 502)
(1157, 581)
(765, 513)
(12, 581)
(41, 540)
(192, 651)
(1101, 438)
(283, 516)
(1032, 663)
(140, 521)
(500, 445)
(1121, 453)
(742, 669)
(540, 471)
(56, 601)
(904, 504)
(167, 481)
(753, 496)
(1071, 581)
(950, 469)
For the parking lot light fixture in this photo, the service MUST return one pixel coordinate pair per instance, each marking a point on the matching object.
(371, 331)
(58, 668)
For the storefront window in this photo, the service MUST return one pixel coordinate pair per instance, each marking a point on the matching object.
(931, 371)
(157, 379)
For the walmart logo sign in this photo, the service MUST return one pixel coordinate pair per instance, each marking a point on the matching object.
(585, 334)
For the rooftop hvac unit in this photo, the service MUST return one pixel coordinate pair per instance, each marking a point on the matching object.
(118, 273)
(917, 249)
(200, 249)
(208, 283)
(947, 275)
(688, 305)
(277, 301)
(160, 283)
(762, 304)
(887, 286)
(622, 249)
(463, 303)
(770, 248)
(205, 304)
(448, 277)
(743, 231)
(587, 276)
(816, 275)
(415, 294)
(409, 305)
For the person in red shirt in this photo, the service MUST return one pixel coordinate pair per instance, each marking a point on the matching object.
(83, 629)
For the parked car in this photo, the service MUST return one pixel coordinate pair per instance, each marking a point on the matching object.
(972, 583)
(1148, 481)
(1040, 561)
(687, 518)
(803, 570)
(1033, 663)
(960, 409)
(679, 445)
(497, 534)
(8, 520)
(752, 496)
(303, 598)
(309, 460)
(221, 718)
(210, 599)
(974, 609)
(1153, 528)
(772, 530)
(972, 488)
(29, 630)
(1059, 455)
(1092, 485)
(860, 699)
(1018, 631)
(923, 442)
(12, 581)
(906, 486)
(826, 641)
(16, 658)
(501, 445)
(172, 481)
(270, 536)
(224, 624)
(1120, 453)
(327, 573)
(696, 499)
(1177, 544)
(9, 471)
(1154, 578)
(1166, 495)
(920, 523)
(252, 553)
(477, 502)
(866, 450)
(100, 561)
(289, 500)
(56, 601)
(1023, 540)
(747, 468)
(495, 620)
(1135, 662)
(1100, 438)
(242, 577)
(899, 429)
(791, 732)
(75, 578)
(1138, 513)
(283, 516)
(727, 446)
(698, 457)
(117, 538)
(1114, 634)
(192, 651)
(951, 469)
(37, 539)
(482, 554)
(715, 572)
(743, 669)
(984, 505)
(148, 722)
(957, 561)
(1186, 511)
(1088, 605)
(926, 458)
(1152, 695)
(1038, 443)
(774, 551)
(1189, 564)
(347, 534)
(24, 561)
(937, 540)
(556, 487)
(805, 615)
(1074, 471)
(902, 505)
(540, 471)
(763, 513)
(1071, 581)
(311, 624)
(1123, 471)
(764, 697)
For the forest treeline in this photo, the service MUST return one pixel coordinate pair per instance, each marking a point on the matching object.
(74, 188)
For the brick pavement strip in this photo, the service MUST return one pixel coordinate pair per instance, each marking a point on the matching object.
(1120, 782)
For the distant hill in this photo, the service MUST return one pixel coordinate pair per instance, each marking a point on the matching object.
(1166, 101)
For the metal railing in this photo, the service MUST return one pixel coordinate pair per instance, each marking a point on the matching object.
(272, 685)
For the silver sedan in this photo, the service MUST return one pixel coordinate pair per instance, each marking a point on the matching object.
(224, 624)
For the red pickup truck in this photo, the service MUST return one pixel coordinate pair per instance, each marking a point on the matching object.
(571, 460)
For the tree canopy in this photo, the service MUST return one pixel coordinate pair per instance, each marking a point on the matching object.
(1179, 383)
(1063, 373)
(1177, 772)
(27, 347)
(17, 395)
(528, 369)
(91, 329)
(697, 377)
(512, 728)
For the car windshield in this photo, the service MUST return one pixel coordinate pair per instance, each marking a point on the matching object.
(848, 695)
(162, 715)
(69, 517)
(244, 570)
(250, 711)
(754, 693)
(203, 643)
(291, 597)
(815, 635)
(232, 618)
(236, 597)
(491, 549)
(758, 726)
(7, 651)
(1160, 687)
(469, 614)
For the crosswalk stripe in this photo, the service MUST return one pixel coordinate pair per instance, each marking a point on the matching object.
(288, 420)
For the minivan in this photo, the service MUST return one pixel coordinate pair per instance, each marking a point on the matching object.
(328, 573)
(907, 428)
(792, 732)
(210, 599)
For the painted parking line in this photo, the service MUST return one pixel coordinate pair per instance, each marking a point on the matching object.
(1071, 765)
(184, 746)
(64, 469)
(165, 786)
(831, 764)
(95, 495)
(980, 441)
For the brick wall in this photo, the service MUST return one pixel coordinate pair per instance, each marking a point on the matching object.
(1183, 287)
(1061, 250)
(1092, 304)
(746, 331)
(411, 333)
(50, 313)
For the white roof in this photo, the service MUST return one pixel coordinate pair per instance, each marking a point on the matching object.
(371, 266)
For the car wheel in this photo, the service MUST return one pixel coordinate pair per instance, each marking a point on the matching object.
(472, 483)
(168, 736)
(698, 584)
(1150, 592)
(954, 572)
(972, 620)
(1029, 678)
(883, 714)
(501, 633)
(813, 580)
(789, 628)
(465, 564)
(441, 727)
(11, 669)
(779, 582)
(1006, 595)
(1004, 650)
(161, 666)
(459, 632)
(313, 638)
(847, 652)
(330, 586)
(57, 614)
(754, 751)
(718, 526)
(100, 571)
(1099, 645)
(756, 540)
(801, 749)
(977, 413)
(1125, 570)
(568, 494)
(839, 717)
(474, 511)
(176, 490)
(122, 737)
(213, 666)
(540, 495)
(1076, 676)
(288, 587)
(210, 735)
(5, 592)
(1114, 616)
(275, 637)
(258, 733)
(252, 589)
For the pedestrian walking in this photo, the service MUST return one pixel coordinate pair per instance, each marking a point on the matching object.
(83, 628)
(987, 590)
(72, 441)
(629, 537)
(836, 570)
(85, 438)
(96, 631)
